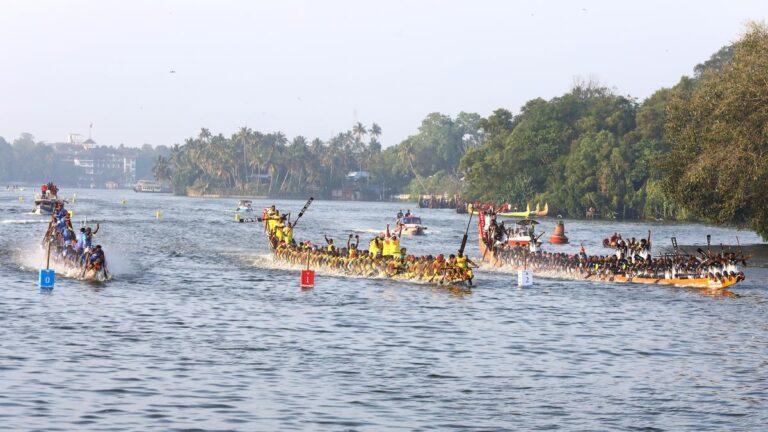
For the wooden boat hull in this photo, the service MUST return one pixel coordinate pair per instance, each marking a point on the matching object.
(66, 269)
(522, 214)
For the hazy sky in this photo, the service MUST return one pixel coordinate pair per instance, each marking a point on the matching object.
(314, 67)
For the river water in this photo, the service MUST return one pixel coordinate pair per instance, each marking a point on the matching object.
(200, 329)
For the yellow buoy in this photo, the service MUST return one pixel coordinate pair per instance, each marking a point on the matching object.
(158, 214)
(123, 202)
(74, 198)
(21, 199)
(237, 217)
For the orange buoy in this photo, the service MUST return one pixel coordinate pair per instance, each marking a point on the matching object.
(559, 237)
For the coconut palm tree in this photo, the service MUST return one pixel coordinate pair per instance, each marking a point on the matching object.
(359, 131)
(375, 131)
(161, 170)
(243, 136)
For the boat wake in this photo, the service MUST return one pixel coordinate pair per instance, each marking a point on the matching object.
(23, 221)
(33, 257)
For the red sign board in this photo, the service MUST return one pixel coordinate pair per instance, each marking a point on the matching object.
(307, 278)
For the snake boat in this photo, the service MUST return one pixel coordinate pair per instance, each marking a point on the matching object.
(716, 279)
(361, 263)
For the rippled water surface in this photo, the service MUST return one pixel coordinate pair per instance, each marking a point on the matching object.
(200, 329)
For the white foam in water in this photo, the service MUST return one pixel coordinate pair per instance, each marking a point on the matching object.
(23, 221)
(32, 257)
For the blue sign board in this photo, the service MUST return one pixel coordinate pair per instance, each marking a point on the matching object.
(47, 278)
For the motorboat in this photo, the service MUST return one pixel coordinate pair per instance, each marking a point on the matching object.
(523, 234)
(148, 186)
(411, 225)
(244, 206)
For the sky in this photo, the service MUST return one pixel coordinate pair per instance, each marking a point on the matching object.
(157, 71)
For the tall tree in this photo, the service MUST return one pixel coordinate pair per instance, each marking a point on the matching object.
(718, 167)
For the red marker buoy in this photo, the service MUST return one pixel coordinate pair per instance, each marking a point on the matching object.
(307, 278)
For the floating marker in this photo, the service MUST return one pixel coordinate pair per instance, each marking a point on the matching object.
(237, 217)
(307, 278)
(47, 279)
(123, 202)
(524, 278)
(74, 198)
(158, 214)
(47, 276)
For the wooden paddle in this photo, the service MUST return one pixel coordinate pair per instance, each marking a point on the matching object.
(301, 213)
(466, 236)
(85, 266)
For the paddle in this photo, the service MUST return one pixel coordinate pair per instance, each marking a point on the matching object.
(301, 213)
(741, 251)
(466, 236)
(85, 264)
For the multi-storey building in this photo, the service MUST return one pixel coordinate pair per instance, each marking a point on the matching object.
(96, 166)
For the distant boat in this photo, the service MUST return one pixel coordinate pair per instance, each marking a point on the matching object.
(47, 205)
(16, 187)
(149, 186)
(411, 225)
(244, 206)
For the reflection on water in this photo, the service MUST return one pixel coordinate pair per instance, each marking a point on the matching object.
(200, 329)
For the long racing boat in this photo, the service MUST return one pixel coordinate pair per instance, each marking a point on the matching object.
(71, 251)
(380, 260)
(714, 274)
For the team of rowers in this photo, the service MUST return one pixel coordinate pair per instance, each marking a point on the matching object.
(631, 259)
(74, 249)
(384, 257)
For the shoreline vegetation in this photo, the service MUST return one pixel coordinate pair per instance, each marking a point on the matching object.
(695, 151)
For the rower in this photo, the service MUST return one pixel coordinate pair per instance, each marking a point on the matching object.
(288, 232)
(329, 241)
(97, 258)
(395, 245)
(352, 247)
(278, 229)
(89, 235)
(375, 246)
(271, 217)
(386, 249)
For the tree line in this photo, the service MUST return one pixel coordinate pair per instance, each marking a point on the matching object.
(696, 150)
(267, 163)
(30, 161)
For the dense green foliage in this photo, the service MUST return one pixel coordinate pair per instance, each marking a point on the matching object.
(718, 167)
(696, 150)
(428, 162)
(267, 163)
(587, 148)
(29, 161)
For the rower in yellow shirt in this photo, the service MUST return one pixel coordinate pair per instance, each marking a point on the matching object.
(288, 232)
